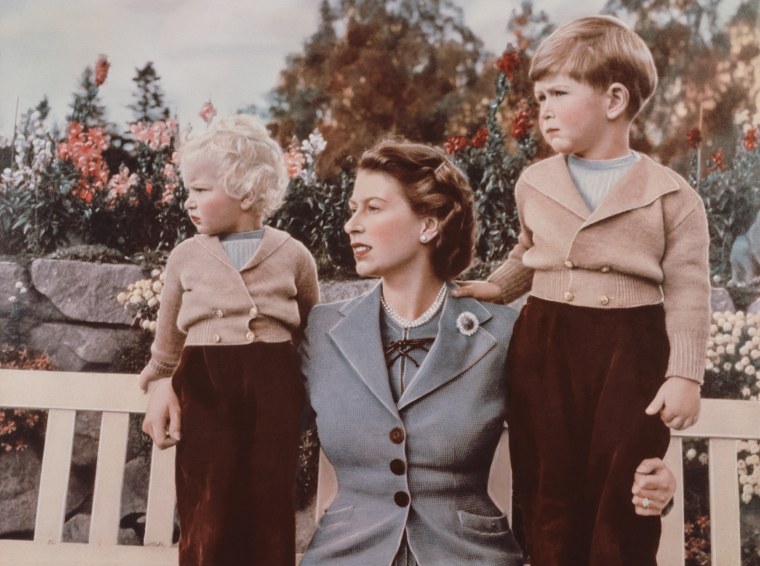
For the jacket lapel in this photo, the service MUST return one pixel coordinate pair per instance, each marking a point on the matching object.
(452, 353)
(552, 178)
(214, 246)
(270, 242)
(358, 338)
(644, 183)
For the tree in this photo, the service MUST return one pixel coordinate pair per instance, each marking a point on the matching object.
(149, 97)
(405, 67)
(705, 72)
(86, 108)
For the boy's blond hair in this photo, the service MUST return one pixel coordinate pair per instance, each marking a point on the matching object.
(599, 51)
(249, 160)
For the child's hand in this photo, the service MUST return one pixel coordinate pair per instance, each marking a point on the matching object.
(481, 290)
(677, 401)
(162, 418)
(147, 375)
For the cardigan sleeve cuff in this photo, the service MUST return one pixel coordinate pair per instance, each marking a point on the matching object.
(514, 280)
(161, 369)
(687, 355)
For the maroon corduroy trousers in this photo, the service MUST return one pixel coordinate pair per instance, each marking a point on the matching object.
(236, 462)
(579, 381)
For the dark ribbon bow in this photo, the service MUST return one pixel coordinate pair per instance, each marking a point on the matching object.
(403, 347)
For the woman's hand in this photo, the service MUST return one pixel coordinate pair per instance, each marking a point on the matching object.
(162, 418)
(481, 290)
(653, 487)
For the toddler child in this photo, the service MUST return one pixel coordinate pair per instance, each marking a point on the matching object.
(235, 298)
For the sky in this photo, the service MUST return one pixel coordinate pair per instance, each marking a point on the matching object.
(226, 51)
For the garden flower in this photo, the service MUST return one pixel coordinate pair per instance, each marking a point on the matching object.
(750, 139)
(294, 160)
(717, 161)
(480, 138)
(693, 138)
(523, 121)
(509, 62)
(456, 144)
(207, 112)
(101, 70)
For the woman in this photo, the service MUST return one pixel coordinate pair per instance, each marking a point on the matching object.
(408, 382)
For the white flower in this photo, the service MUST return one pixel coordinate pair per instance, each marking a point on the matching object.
(12, 299)
(703, 458)
(467, 323)
(19, 284)
(691, 453)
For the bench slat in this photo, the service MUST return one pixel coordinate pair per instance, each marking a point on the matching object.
(159, 520)
(54, 476)
(28, 553)
(724, 502)
(672, 549)
(109, 477)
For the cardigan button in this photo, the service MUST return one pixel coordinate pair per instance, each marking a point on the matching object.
(397, 435)
(401, 498)
(216, 338)
(218, 313)
(398, 467)
(569, 264)
(604, 299)
(250, 336)
(605, 269)
(569, 296)
(254, 312)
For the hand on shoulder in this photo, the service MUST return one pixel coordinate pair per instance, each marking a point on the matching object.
(481, 290)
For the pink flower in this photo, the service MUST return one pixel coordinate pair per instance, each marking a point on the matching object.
(207, 112)
(455, 144)
(101, 69)
(750, 139)
(294, 160)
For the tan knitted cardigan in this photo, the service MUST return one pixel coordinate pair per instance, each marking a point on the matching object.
(206, 301)
(646, 243)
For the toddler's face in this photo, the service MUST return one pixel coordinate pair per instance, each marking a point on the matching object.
(210, 208)
(573, 116)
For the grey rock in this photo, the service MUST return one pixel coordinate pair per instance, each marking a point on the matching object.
(754, 307)
(77, 529)
(85, 291)
(134, 497)
(18, 490)
(73, 347)
(86, 435)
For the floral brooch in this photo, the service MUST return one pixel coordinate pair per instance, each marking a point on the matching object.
(467, 323)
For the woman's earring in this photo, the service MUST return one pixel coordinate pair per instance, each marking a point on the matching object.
(424, 238)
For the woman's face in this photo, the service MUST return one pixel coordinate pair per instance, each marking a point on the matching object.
(385, 232)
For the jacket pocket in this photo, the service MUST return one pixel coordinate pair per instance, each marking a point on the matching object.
(484, 524)
(338, 516)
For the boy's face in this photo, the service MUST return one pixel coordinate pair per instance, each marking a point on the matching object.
(210, 208)
(573, 117)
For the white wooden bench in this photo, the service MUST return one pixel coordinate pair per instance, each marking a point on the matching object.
(116, 396)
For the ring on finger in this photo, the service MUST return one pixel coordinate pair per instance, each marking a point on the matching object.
(645, 503)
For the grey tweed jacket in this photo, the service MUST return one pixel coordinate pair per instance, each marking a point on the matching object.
(421, 465)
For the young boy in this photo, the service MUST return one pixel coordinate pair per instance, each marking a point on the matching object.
(614, 250)
(235, 297)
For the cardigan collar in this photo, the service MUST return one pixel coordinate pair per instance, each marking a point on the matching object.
(270, 242)
(357, 336)
(644, 183)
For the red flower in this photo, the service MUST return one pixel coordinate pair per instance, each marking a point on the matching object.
(694, 138)
(717, 162)
(455, 144)
(148, 188)
(508, 62)
(523, 120)
(750, 139)
(101, 69)
(480, 138)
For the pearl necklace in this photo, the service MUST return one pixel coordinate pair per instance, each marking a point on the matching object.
(425, 317)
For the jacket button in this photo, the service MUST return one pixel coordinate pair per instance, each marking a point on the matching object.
(569, 296)
(398, 467)
(401, 498)
(569, 264)
(604, 299)
(397, 435)
(218, 313)
(254, 312)
(605, 269)
(250, 336)
(216, 338)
